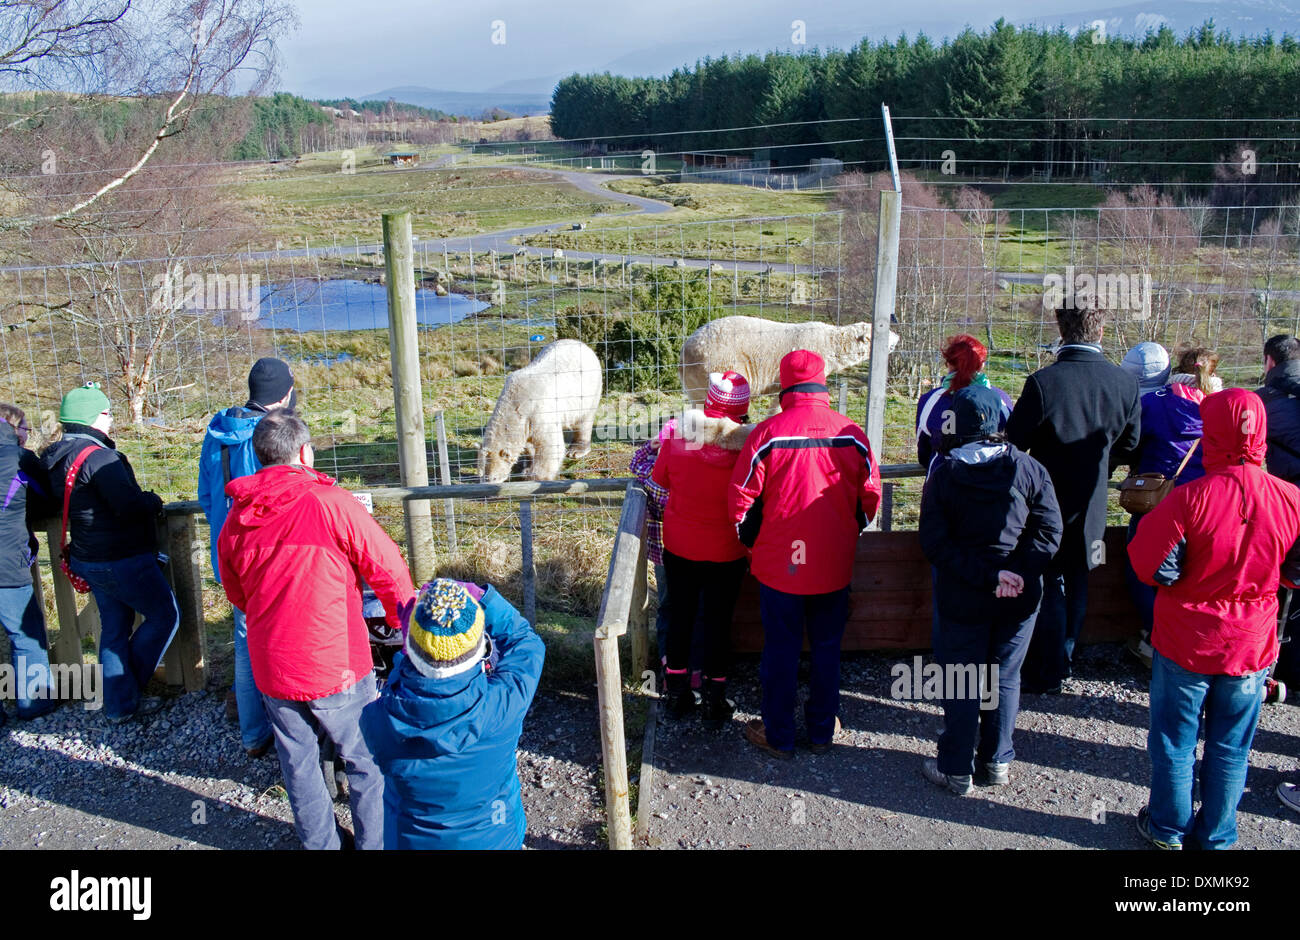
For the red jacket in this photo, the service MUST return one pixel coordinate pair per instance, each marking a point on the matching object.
(1215, 548)
(694, 465)
(804, 488)
(292, 552)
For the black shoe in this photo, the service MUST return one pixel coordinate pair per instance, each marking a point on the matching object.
(681, 698)
(991, 774)
(262, 749)
(1031, 689)
(1144, 830)
(718, 709)
(44, 709)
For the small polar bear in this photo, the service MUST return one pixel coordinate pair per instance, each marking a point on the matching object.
(753, 347)
(558, 391)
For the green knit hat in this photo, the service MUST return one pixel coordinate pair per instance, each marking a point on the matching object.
(83, 405)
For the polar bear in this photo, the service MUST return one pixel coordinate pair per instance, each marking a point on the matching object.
(754, 347)
(556, 392)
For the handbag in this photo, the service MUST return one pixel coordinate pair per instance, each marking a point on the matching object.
(80, 584)
(1142, 492)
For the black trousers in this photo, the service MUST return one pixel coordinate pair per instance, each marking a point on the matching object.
(704, 597)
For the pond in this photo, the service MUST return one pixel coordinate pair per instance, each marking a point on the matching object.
(305, 305)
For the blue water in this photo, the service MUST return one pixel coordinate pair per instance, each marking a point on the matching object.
(307, 306)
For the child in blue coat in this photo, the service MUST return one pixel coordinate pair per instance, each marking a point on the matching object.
(445, 730)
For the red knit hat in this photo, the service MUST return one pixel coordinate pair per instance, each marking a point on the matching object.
(802, 366)
(728, 395)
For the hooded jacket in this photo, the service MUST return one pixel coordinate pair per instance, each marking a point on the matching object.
(695, 465)
(1281, 395)
(985, 508)
(804, 487)
(227, 455)
(25, 502)
(1068, 417)
(109, 516)
(293, 552)
(447, 746)
(930, 409)
(1171, 424)
(1216, 545)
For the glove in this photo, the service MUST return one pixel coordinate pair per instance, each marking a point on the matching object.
(473, 590)
(404, 611)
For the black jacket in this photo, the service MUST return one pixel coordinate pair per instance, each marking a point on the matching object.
(1281, 394)
(1069, 417)
(24, 500)
(109, 517)
(986, 508)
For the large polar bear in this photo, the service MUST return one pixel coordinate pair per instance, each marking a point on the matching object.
(556, 392)
(754, 347)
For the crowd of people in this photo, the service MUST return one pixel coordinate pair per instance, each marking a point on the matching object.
(1013, 517)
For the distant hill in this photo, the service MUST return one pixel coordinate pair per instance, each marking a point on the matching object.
(470, 103)
(1239, 17)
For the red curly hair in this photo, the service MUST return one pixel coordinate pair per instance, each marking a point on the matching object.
(965, 356)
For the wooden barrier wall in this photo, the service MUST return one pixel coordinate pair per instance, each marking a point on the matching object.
(889, 606)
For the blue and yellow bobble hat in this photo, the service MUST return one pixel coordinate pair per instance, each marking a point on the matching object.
(446, 635)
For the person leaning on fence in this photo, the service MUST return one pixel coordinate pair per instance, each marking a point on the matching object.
(1171, 429)
(26, 502)
(965, 357)
(1069, 417)
(1281, 395)
(703, 557)
(989, 526)
(293, 552)
(805, 486)
(228, 455)
(446, 729)
(1215, 547)
(113, 526)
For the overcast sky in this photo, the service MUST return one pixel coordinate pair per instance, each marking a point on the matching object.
(350, 48)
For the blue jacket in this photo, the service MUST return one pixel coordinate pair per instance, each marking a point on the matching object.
(1171, 424)
(231, 430)
(447, 746)
(930, 409)
(1281, 394)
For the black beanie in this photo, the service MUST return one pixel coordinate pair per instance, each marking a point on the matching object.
(269, 381)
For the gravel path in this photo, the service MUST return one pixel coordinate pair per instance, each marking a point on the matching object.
(180, 779)
(1081, 755)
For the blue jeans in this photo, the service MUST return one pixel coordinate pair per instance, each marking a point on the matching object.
(254, 727)
(1060, 618)
(968, 728)
(121, 588)
(1231, 705)
(297, 740)
(663, 613)
(784, 617)
(24, 622)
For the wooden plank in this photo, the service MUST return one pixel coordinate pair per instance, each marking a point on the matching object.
(444, 474)
(890, 603)
(528, 568)
(613, 746)
(620, 581)
(639, 616)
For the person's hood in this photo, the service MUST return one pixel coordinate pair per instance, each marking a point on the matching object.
(270, 492)
(804, 399)
(982, 465)
(699, 429)
(1285, 377)
(74, 440)
(1235, 429)
(444, 714)
(233, 426)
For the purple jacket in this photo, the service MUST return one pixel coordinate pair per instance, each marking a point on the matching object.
(1171, 423)
(929, 420)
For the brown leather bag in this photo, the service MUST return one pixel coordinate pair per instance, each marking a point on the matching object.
(1142, 492)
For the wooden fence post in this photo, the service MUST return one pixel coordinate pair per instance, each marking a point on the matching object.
(444, 473)
(408, 402)
(612, 622)
(67, 647)
(187, 658)
(638, 622)
(527, 568)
